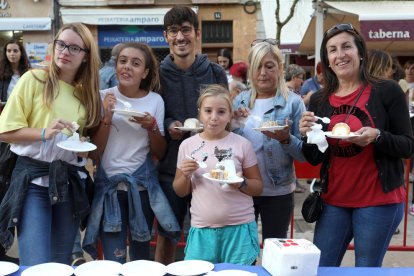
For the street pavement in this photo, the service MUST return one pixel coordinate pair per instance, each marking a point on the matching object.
(305, 230)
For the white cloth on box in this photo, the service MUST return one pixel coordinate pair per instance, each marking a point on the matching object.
(317, 136)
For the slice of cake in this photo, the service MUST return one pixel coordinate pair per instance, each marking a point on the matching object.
(219, 173)
(269, 124)
(341, 129)
(192, 123)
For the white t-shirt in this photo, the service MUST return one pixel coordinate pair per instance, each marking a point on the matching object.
(128, 143)
(211, 204)
(12, 84)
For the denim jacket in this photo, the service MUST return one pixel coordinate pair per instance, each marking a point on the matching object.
(60, 174)
(279, 157)
(105, 206)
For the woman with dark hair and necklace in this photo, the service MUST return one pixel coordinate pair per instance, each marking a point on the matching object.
(362, 177)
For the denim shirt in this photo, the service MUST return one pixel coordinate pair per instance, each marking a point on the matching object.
(105, 206)
(279, 157)
(60, 174)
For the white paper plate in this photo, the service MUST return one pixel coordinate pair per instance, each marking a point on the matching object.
(231, 180)
(7, 268)
(129, 112)
(231, 272)
(48, 269)
(270, 128)
(101, 268)
(192, 129)
(143, 268)
(351, 134)
(76, 146)
(189, 267)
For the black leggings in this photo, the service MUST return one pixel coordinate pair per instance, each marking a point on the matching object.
(275, 213)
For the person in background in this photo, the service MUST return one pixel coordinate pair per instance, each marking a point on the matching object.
(107, 74)
(294, 77)
(235, 87)
(226, 61)
(45, 204)
(362, 177)
(226, 233)
(182, 74)
(238, 71)
(127, 192)
(13, 64)
(312, 85)
(270, 100)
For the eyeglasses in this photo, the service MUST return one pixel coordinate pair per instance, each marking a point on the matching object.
(73, 48)
(340, 27)
(271, 41)
(185, 31)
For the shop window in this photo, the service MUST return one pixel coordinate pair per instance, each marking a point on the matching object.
(217, 31)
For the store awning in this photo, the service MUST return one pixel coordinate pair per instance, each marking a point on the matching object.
(385, 25)
(26, 24)
(114, 16)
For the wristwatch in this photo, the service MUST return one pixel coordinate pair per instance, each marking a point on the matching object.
(243, 184)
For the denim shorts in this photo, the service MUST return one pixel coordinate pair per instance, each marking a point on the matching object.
(236, 244)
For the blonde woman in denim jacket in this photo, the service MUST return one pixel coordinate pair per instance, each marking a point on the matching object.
(270, 100)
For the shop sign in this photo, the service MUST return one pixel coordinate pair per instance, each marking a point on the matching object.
(36, 52)
(387, 30)
(109, 36)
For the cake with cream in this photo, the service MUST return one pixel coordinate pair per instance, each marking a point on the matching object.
(192, 123)
(219, 172)
(269, 124)
(341, 129)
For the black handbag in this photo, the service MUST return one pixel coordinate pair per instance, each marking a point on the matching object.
(7, 163)
(312, 207)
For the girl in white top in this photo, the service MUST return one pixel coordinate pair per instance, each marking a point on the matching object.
(223, 227)
(131, 133)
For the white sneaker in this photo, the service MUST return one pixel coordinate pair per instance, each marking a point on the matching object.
(411, 211)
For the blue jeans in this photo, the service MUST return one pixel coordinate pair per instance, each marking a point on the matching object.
(114, 243)
(370, 227)
(46, 232)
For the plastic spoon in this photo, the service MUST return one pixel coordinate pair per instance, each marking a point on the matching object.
(126, 104)
(202, 164)
(323, 119)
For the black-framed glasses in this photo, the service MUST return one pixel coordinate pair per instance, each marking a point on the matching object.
(340, 27)
(271, 41)
(185, 30)
(73, 48)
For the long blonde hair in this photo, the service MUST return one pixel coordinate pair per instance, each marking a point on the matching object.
(86, 79)
(256, 54)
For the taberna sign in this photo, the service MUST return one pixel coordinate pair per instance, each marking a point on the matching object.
(387, 30)
(109, 36)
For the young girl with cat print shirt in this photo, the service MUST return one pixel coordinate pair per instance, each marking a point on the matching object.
(223, 227)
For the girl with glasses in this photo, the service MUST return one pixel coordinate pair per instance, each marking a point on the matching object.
(47, 199)
(362, 177)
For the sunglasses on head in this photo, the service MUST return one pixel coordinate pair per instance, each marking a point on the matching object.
(271, 41)
(340, 27)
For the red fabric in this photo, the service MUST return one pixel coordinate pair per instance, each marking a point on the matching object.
(353, 177)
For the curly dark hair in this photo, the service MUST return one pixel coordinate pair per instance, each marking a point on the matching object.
(180, 14)
(5, 66)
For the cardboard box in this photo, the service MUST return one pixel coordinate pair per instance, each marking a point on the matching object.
(290, 257)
